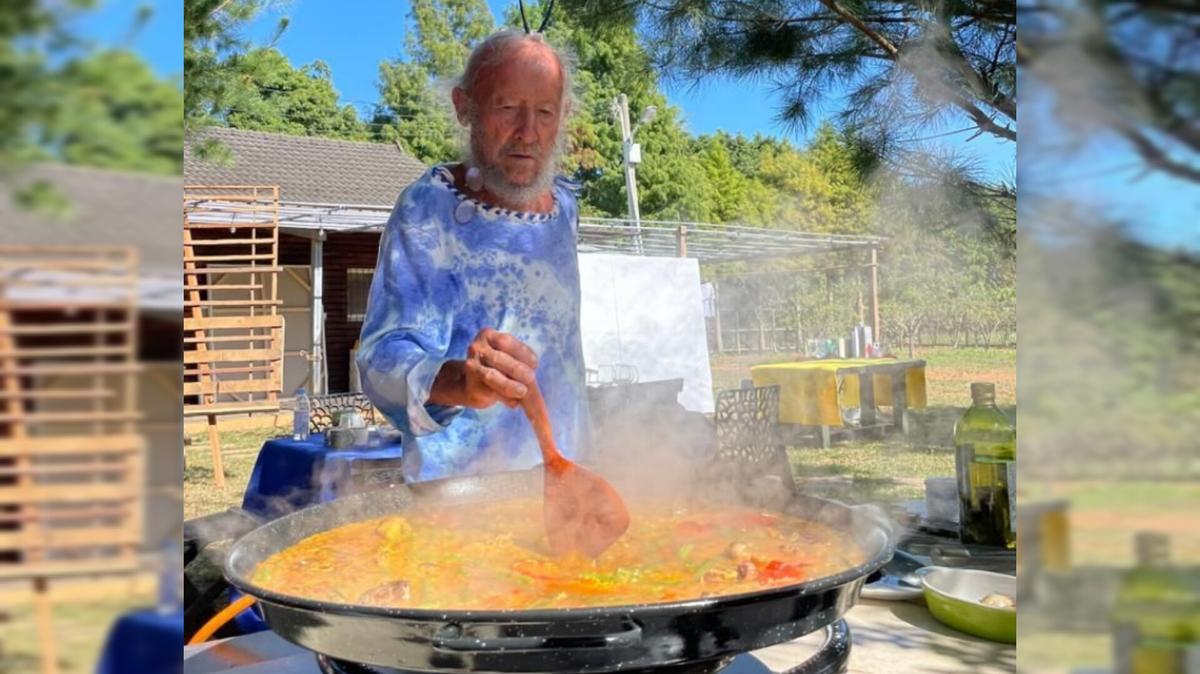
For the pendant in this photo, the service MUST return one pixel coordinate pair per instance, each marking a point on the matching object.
(474, 179)
(464, 212)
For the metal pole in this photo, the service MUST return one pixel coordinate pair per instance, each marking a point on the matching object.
(317, 359)
(877, 336)
(630, 173)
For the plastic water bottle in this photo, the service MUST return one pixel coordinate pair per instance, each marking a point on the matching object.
(170, 578)
(300, 416)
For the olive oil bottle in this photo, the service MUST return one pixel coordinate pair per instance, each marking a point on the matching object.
(1156, 615)
(985, 442)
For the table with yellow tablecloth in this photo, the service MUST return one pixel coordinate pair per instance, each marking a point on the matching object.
(814, 392)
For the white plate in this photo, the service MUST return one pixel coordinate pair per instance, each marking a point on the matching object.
(891, 588)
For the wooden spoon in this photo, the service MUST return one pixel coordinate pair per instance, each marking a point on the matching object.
(582, 511)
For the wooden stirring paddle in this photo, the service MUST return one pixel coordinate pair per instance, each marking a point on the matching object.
(582, 511)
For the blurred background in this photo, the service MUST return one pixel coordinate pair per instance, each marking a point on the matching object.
(1109, 315)
(90, 291)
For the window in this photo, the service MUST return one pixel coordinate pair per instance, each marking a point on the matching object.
(358, 286)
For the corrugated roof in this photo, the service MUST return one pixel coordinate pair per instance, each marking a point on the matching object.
(306, 168)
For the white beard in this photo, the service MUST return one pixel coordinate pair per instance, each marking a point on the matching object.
(495, 182)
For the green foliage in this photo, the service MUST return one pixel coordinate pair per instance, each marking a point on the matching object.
(266, 93)
(904, 63)
(446, 31)
(64, 101)
(1112, 370)
(612, 61)
(117, 114)
(212, 50)
(411, 111)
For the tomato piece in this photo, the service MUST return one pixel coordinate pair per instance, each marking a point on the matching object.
(779, 570)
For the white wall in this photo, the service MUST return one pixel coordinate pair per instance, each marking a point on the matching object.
(647, 312)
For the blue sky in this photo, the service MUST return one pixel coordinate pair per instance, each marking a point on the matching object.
(160, 41)
(1103, 175)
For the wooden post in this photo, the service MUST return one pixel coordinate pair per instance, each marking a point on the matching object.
(774, 333)
(876, 333)
(737, 331)
(214, 445)
(45, 626)
(681, 240)
(717, 317)
(866, 398)
(900, 399)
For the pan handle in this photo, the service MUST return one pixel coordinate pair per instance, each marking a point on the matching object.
(530, 636)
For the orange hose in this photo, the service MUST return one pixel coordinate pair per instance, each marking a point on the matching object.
(218, 621)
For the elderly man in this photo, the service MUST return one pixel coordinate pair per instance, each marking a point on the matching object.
(476, 290)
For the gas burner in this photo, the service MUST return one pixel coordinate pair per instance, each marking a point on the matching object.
(742, 664)
(268, 653)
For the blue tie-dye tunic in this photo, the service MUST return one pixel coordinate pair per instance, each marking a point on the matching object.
(449, 266)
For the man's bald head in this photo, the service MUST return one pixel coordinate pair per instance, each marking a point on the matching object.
(515, 96)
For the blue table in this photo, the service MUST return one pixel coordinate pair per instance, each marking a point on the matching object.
(144, 641)
(293, 474)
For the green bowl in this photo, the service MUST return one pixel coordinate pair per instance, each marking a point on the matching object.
(953, 598)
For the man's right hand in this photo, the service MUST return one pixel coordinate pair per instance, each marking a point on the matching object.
(498, 368)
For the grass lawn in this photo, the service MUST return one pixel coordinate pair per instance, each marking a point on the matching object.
(890, 470)
(1060, 651)
(1105, 516)
(81, 629)
(239, 449)
(894, 469)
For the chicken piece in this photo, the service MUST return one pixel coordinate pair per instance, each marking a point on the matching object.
(997, 600)
(392, 593)
(738, 551)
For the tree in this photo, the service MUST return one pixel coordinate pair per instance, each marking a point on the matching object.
(1126, 66)
(411, 111)
(906, 63)
(64, 101)
(446, 32)
(29, 32)
(212, 50)
(267, 94)
(827, 192)
(611, 61)
(727, 186)
(116, 113)
(905, 69)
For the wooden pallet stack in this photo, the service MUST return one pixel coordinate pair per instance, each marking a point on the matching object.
(71, 455)
(233, 331)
